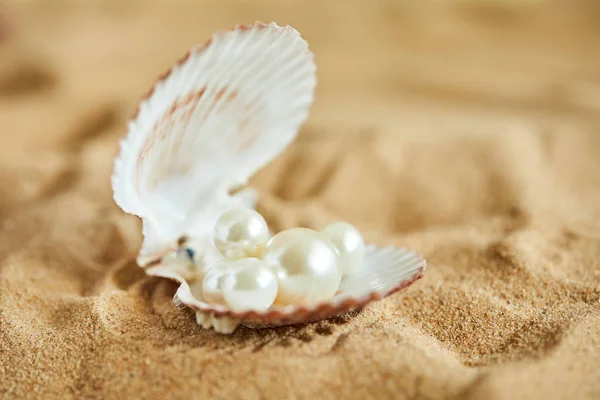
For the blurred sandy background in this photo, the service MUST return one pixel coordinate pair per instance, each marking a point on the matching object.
(467, 130)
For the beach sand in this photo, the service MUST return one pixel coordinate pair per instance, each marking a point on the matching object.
(466, 132)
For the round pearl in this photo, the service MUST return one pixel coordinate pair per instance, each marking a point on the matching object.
(306, 266)
(252, 286)
(349, 244)
(211, 285)
(240, 233)
(182, 262)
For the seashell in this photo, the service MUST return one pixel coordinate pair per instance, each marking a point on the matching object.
(214, 119)
(385, 271)
(221, 113)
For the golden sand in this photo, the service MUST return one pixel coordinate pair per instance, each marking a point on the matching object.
(468, 133)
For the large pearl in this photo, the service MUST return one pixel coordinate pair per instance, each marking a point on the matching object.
(240, 233)
(349, 244)
(306, 265)
(252, 286)
(211, 285)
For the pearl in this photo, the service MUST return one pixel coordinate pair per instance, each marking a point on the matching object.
(349, 244)
(251, 286)
(306, 266)
(241, 232)
(211, 285)
(182, 262)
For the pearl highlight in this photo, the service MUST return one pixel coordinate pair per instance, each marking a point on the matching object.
(240, 233)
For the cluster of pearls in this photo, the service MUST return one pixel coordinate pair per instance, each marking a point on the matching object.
(297, 266)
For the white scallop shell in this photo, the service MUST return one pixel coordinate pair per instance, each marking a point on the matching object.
(385, 271)
(208, 124)
(213, 120)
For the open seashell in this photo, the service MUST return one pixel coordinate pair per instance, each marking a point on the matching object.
(214, 119)
(386, 270)
(221, 113)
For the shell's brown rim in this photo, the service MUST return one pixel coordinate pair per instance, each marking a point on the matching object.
(197, 50)
(302, 314)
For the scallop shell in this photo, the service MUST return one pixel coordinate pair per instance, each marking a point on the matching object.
(386, 270)
(209, 123)
(220, 114)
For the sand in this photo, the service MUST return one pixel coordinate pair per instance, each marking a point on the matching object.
(468, 133)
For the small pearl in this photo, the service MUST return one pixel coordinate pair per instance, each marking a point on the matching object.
(306, 265)
(349, 244)
(211, 285)
(252, 286)
(240, 233)
(181, 261)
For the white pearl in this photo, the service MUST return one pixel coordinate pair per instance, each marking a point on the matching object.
(211, 285)
(180, 262)
(252, 286)
(349, 244)
(241, 232)
(305, 264)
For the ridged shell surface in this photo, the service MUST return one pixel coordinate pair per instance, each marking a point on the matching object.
(208, 124)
